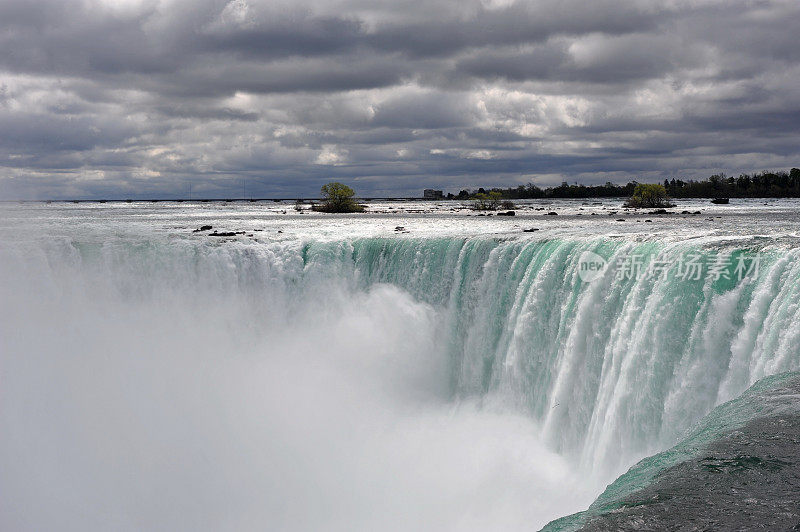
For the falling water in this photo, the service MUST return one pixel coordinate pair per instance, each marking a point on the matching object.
(156, 382)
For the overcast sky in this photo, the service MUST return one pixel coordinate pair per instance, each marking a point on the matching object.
(138, 98)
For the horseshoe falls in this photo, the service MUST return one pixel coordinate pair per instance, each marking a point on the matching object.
(398, 371)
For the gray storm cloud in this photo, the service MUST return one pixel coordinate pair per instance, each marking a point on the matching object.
(139, 98)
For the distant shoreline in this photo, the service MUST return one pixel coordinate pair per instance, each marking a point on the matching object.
(392, 199)
(764, 185)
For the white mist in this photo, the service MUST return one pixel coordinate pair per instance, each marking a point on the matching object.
(202, 390)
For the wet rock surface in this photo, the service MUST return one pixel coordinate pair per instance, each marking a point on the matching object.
(747, 480)
(226, 233)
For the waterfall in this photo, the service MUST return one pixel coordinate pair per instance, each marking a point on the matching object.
(592, 375)
(614, 368)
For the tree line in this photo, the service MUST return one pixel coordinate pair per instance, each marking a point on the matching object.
(781, 184)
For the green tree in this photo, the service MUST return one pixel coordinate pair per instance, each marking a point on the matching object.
(487, 201)
(645, 195)
(338, 197)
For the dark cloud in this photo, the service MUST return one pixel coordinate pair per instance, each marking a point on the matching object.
(289, 35)
(136, 98)
(431, 110)
(517, 24)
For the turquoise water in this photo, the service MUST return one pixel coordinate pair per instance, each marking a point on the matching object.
(630, 363)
